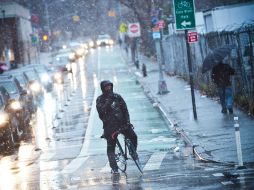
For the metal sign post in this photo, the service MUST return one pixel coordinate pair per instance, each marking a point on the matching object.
(185, 19)
(162, 88)
(191, 77)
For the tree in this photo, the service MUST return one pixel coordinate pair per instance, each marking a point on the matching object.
(142, 10)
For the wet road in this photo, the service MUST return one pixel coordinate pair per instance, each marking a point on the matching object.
(71, 155)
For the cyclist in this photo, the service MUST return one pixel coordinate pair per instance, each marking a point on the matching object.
(114, 114)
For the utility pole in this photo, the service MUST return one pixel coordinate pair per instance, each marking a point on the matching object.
(162, 85)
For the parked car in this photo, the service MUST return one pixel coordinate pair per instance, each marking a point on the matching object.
(44, 76)
(19, 103)
(9, 129)
(25, 85)
(34, 84)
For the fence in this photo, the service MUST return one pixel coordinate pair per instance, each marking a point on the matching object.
(241, 58)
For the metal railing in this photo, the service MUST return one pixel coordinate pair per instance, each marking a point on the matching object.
(242, 59)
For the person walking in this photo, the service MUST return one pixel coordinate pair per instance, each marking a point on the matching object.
(126, 43)
(114, 114)
(221, 74)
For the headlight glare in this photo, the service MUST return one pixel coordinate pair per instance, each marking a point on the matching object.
(35, 87)
(15, 105)
(3, 118)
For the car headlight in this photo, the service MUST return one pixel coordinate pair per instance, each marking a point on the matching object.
(45, 78)
(3, 118)
(111, 42)
(85, 46)
(35, 87)
(80, 52)
(15, 105)
(72, 56)
(58, 78)
(91, 44)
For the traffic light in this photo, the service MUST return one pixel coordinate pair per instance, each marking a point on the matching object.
(45, 37)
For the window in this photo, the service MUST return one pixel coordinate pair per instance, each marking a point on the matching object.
(10, 87)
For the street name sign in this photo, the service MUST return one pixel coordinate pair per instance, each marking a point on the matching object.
(134, 30)
(184, 14)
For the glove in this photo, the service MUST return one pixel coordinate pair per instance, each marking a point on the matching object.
(114, 135)
(108, 103)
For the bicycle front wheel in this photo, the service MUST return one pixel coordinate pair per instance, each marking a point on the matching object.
(120, 157)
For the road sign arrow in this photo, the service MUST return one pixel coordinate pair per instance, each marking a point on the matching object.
(184, 23)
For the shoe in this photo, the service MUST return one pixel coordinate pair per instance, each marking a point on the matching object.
(115, 171)
(230, 110)
(224, 110)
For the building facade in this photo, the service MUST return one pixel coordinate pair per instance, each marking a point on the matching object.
(15, 35)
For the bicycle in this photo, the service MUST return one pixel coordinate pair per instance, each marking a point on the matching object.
(183, 4)
(121, 153)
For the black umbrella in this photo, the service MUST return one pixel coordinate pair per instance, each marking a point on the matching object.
(216, 56)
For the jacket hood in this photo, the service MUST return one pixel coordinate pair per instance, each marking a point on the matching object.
(105, 83)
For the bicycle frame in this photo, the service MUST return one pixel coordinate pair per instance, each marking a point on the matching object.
(122, 164)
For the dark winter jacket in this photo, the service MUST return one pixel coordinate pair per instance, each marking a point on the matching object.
(112, 110)
(221, 74)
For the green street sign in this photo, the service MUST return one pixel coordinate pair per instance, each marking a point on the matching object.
(184, 14)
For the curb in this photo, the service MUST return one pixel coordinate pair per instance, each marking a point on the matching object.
(198, 152)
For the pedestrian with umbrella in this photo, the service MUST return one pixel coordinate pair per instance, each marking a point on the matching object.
(218, 61)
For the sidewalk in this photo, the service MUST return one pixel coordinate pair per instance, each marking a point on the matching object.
(213, 133)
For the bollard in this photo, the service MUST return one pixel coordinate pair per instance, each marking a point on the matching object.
(144, 70)
(238, 142)
(65, 97)
(136, 64)
(37, 148)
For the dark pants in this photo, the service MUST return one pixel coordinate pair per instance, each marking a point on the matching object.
(111, 145)
(226, 97)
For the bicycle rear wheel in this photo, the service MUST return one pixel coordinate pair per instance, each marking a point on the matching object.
(134, 155)
(120, 156)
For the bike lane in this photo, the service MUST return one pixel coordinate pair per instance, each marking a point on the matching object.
(155, 140)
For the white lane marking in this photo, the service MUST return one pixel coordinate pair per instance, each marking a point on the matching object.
(155, 161)
(227, 182)
(76, 163)
(106, 168)
(218, 175)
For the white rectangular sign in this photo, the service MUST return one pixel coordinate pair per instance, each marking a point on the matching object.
(134, 30)
(156, 35)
